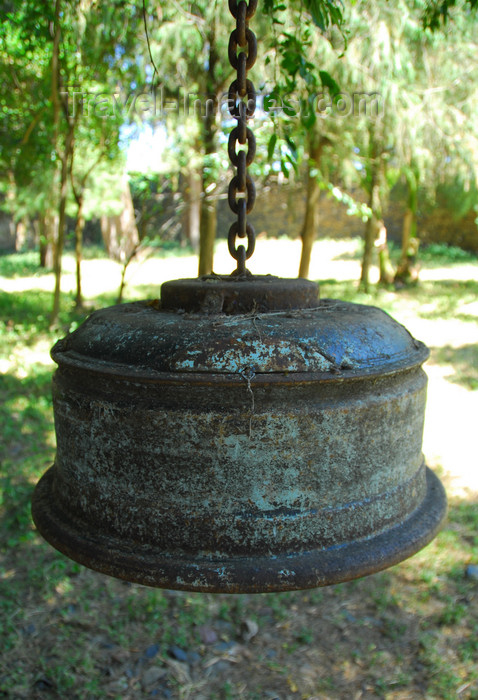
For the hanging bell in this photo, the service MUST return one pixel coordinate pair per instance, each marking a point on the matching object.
(239, 436)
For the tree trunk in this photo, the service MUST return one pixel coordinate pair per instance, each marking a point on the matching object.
(64, 160)
(387, 273)
(311, 220)
(10, 197)
(80, 225)
(207, 229)
(20, 235)
(120, 233)
(374, 223)
(131, 256)
(372, 228)
(60, 239)
(407, 270)
(47, 232)
(193, 213)
(207, 235)
(406, 235)
(119, 298)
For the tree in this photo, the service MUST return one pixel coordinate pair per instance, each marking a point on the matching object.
(26, 164)
(437, 13)
(79, 184)
(189, 46)
(67, 44)
(406, 271)
(189, 43)
(422, 93)
(386, 54)
(298, 57)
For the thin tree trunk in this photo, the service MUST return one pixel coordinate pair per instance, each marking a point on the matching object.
(309, 228)
(119, 298)
(47, 226)
(126, 263)
(387, 273)
(407, 269)
(10, 197)
(406, 235)
(371, 231)
(80, 225)
(194, 209)
(207, 235)
(60, 240)
(374, 223)
(311, 220)
(55, 98)
(20, 235)
(207, 229)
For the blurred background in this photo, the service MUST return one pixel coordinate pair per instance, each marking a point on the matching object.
(113, 178)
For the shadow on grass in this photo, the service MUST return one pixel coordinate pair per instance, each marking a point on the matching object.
(464, 360)
(440, 255)
(26, 417)
(21, 265)
(349, 255)
(440, 299)
(25, 307)
(26, 314)
(446, 299)
(410, 630)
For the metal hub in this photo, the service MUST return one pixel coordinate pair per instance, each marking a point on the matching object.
(238, 295)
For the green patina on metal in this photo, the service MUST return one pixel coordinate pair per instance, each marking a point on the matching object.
(267, 444)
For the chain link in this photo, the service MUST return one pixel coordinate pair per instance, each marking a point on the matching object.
(242, 106)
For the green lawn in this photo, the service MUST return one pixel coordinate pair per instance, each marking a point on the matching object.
(404, 634)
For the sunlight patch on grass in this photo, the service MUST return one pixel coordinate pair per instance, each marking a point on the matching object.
(403, 634)
(22, 358)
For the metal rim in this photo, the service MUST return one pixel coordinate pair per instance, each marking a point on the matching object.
(72, 360)
(309, 569)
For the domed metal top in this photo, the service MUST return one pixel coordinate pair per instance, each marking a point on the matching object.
(182, 334)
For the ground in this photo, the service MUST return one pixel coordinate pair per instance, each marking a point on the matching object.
(408, 633)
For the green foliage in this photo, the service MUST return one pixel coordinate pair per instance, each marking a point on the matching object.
(150, 193)
(306, 48)
(457, 196)
(91, 41)
(445, 254)
(325, 12)
(354, 207)
(437, 12)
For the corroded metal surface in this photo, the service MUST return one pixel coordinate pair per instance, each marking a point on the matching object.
(213, 294)
(249, 452)
(337, 339)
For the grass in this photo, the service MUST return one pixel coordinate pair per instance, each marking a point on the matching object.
(407, 633)
(21, 265)
(442, 254)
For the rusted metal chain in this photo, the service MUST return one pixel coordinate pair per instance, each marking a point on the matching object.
(242, 106)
